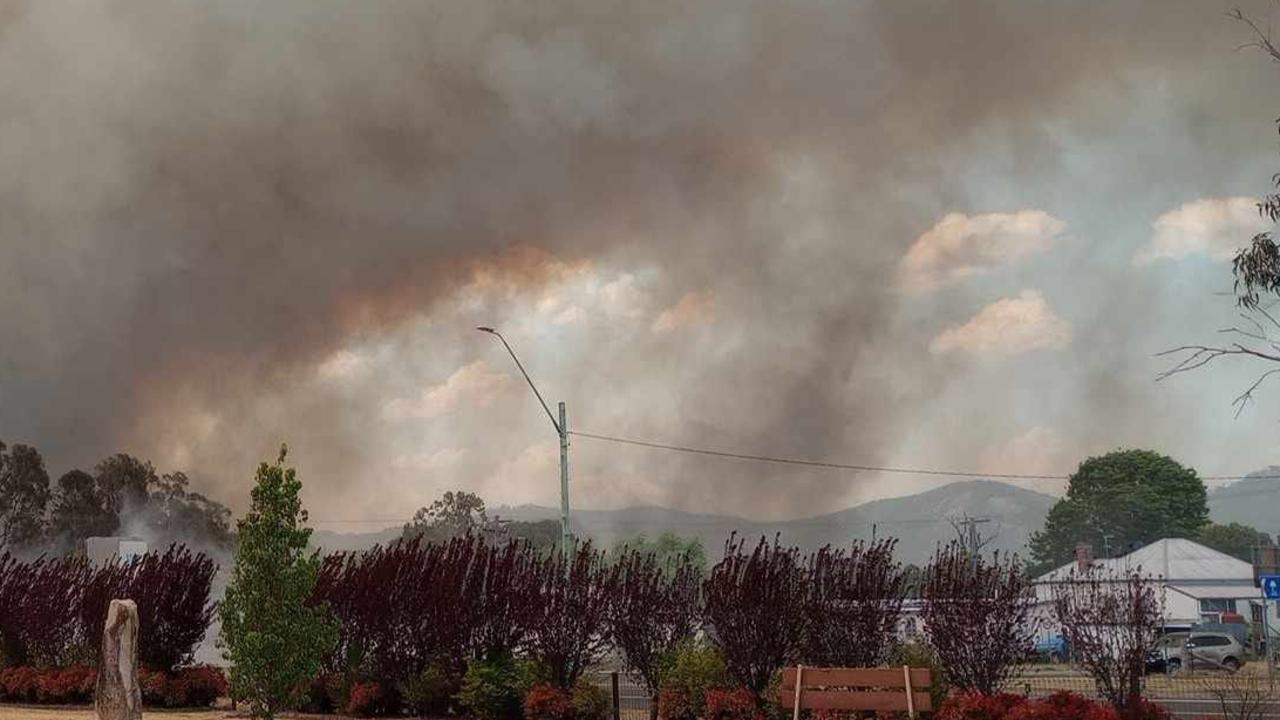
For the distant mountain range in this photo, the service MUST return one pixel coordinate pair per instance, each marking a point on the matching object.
(1253, 501)
(918, 521)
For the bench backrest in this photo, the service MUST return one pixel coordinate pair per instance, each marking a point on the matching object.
(857, 689)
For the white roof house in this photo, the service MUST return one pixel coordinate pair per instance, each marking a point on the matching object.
(1200, 583)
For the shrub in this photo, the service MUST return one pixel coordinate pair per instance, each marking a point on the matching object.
(198, 686)
(590, 701)
(429, 692)
(372, 699)
(327, 693)
(971, 705)
(548, 702)
(1063, 705)
(694, 669)
(919, 655)
(676, 704)
(491, 689)
(72, 685)
(736, 704)
(19, 684)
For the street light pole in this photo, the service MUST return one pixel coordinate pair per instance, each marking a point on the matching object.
(562, 430)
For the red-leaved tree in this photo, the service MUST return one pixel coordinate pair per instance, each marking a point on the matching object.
(1110, 620)
(854, 605)
(754, 605)
(571, 631)
(977, 616)
(655, 608)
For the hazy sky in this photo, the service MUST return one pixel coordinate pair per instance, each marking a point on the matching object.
(907, 233)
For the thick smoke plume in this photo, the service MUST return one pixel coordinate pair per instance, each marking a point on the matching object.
(227, 225)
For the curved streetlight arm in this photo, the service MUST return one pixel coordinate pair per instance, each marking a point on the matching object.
(527, 379)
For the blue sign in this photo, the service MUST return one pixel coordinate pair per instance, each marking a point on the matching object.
(1271, 587)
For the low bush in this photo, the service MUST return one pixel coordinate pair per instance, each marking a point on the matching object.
(694, 669)
(191, 687)
(372, 699)
(431, 692)
(197, 686)
(545, 701)
(491, 689)
(327, 693)
(736, 704)
(19, 684)
(590, 701)
(919, 655)
(676, 704)
(978, 706)
(1061, 705)
(72, 685)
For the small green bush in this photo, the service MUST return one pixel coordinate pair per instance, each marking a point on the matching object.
(693, 669)
(431, 692)
(918, 655)
(493, 689)
(590, 701)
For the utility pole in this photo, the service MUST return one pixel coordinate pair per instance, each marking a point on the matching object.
(967, 531)
(566, 535)
(562, 430)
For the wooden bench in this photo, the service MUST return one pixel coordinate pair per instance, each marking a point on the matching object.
(903, 689)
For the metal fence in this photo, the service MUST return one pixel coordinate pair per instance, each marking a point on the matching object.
(630, 699)
(1249, 694)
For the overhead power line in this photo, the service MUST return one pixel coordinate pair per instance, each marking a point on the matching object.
(853, 466)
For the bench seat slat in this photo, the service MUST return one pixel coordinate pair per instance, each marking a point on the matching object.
(856, 677)
(886, 700)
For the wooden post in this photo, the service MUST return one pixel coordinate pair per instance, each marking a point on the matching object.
(795, 713)
(617, 702)
(911, 705)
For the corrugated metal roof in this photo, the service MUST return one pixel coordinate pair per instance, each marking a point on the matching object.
(1174, 559)
(1237, 591)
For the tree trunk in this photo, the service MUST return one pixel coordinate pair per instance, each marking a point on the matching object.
(119, 696)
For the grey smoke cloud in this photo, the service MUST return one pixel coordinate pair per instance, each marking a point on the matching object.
(227, 226)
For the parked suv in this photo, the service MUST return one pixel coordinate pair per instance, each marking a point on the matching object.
(1213, 650)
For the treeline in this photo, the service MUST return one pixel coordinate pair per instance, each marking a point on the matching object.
(122, 495)
(482, 627)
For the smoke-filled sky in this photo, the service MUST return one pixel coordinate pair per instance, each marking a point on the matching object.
(903, 233)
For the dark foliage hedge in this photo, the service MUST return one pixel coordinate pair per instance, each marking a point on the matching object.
(55, 607)
(197, 686)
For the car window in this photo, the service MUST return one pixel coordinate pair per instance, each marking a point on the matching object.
(1211, 641)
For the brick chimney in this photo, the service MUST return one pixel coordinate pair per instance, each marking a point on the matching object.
(1084, 556)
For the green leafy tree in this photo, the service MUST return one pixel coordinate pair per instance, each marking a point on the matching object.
(77, 512)
(543, 535)
(24, 495)
(1233, 539)
(1118, 502)
(669, 549)
(273, 639)
(456, 513)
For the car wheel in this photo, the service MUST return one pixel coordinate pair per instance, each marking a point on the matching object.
(1175, 664)
(1054, 657)
(1231, 664)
